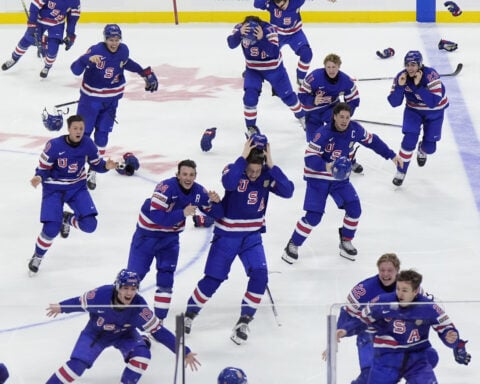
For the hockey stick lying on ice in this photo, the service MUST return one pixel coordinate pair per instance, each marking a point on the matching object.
(454, 73)
(274, 309)
(65, 104)
(378, 123)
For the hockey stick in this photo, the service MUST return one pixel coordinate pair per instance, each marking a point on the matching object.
(378, 123)
(274, 309)
(175, 12)
(38, 42)
(179, 343)
(65, 104)
(454, 73)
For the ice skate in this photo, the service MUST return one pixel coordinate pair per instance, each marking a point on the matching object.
(290, 253)
(44, 72)
(347, 249)
(91, 180)
(241, 330)
(398, 179)
(252, 130)
(34, 265)
(188, 320)
(8, 64)
(65, 230)
(421, 156)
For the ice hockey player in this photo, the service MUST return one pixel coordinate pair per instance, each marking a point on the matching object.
(103, 84)
(263, 61)
(327, 173)
(285, 16)
(45, 29)
(248, 183)
(161, 220)
(61, 171)
(426, 101)
(401, 342)
(116, 313)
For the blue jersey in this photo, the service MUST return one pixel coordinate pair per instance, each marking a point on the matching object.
(329, 144)
(318, 83)
(245, 201)
(106, 80)
(403, 329)
(163, 212)
(62, 165)
(428, 95)
(361, 294)
(265, 54)
(52, 13)
(288, 21)
(107, 324)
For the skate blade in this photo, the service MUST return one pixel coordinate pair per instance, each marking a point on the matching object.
(348, 256)
(288, 259)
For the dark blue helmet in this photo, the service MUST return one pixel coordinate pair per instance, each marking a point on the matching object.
(126, 278)
(52, 122)
(3, 373)
(260, 141)
(249, 38)
(342, 167)
(231, 375)
(413, 57)
(112, 30)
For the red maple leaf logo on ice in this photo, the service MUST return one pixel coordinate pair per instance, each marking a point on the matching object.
(177, 84)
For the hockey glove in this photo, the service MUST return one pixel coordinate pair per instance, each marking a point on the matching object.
(453, 8)
(460, 353)
(387, 52)
(449, 46)
(208, 136)
(203, 221)
(129, 166)
(151, 82)
(33, 31)
(68, 41)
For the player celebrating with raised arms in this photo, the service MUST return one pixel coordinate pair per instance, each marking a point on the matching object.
(248, 183)
(103, 84)
(61, 171)
(285, 16)
(116, 313)
(263, 61)
(425, 104)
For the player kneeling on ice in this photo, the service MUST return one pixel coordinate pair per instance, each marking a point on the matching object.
(326, 172)
(248, 183)
(116, 313)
